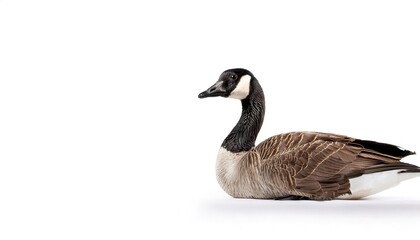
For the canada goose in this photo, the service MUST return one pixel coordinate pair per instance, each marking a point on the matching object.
(298, 165)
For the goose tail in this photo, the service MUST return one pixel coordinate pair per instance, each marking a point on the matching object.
(409, 173)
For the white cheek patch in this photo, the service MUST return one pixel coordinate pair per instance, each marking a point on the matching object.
(242, 89)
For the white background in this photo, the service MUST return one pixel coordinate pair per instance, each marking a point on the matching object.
(102, 135)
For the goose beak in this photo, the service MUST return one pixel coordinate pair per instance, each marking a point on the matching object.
(213, 91)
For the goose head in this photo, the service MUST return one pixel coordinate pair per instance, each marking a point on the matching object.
(232, 83)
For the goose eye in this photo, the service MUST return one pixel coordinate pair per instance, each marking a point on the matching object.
(233, 77)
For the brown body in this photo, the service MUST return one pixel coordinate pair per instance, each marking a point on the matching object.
(313, 165)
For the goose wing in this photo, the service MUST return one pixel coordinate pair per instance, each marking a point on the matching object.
(319, 165)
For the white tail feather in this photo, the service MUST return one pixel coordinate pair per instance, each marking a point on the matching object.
(369, 184)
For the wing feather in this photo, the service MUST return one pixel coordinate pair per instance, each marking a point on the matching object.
(319, 165)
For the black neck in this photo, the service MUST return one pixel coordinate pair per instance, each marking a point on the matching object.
(243, 135)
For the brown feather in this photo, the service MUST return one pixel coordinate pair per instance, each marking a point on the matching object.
(319, 165)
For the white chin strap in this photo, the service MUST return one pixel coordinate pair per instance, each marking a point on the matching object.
(242, 89)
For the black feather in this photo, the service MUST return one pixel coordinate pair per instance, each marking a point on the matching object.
(384, 148)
